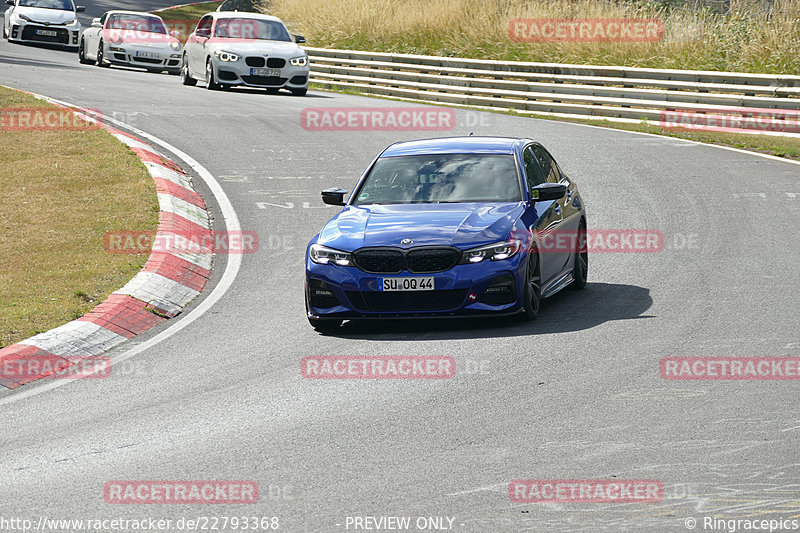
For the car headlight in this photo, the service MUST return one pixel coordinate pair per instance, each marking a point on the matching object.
(226, 56)
(299, 61)
(116, 49)
(323, 255)
(24, 17)
(175, 45)
(493, 252)
(73, 22)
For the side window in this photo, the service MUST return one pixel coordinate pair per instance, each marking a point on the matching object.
(532, 170)
(204, 27)
(549, 168)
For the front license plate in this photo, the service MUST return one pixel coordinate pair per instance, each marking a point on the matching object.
(265, 72)
(406, 284)
(47, 33)
(152, 55)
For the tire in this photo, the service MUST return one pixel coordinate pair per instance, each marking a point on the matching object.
(533, 287)
(100, 59)
(324, 325)
(82, 54)
(299, 92)
(580, 269)
(211, 83)
(187, 78)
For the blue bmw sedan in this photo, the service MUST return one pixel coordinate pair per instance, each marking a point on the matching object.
(458, 226)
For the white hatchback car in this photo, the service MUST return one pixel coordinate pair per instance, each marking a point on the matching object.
(132, 39)
(230, 48)
(42, 21)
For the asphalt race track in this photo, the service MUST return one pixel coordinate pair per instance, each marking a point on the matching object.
(576, 394)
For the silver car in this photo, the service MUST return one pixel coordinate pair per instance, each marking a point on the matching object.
(229, 48)
(132, 39)
(42, 21)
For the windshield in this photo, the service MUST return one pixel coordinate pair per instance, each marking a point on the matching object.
(441, 178)
(65, 5)
(246, 28)
(136, 22)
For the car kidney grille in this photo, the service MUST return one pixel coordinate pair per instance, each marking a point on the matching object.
(423, 301)
(416, 260)
(380, 261)
(426, 260)
(254, 61)
(276, 62)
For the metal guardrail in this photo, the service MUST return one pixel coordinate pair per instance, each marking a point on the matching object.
(618, 93)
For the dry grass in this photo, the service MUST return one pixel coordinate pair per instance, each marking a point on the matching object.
(746, 39)
(61, 191)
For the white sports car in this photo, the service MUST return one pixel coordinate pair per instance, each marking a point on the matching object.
(238, 48)
(42, 21)
(132, 39)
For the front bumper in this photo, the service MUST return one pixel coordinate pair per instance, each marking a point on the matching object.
(131, 55)
(241, 73)
(465, 290)
(31, 32)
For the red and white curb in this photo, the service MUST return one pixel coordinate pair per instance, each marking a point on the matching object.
(164, 287)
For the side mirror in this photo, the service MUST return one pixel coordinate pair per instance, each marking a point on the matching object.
(96, 23)
(548, 191)
(80, 9)
(175, 33)
(10, 2)
(334, 196)
(299, 39)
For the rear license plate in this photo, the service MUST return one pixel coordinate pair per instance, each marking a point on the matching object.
(406, 284)
(152, 55)
(265, 72)
(47, 33)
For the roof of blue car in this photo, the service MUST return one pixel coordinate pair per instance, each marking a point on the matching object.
(453, 145)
